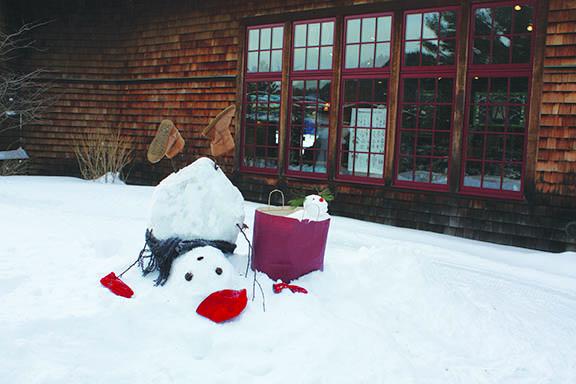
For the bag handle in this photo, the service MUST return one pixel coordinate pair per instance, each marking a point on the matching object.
(270, 197)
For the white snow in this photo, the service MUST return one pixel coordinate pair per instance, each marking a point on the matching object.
(197, 202)
(392, 305)
(15, 154)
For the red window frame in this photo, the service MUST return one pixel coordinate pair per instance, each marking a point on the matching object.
(490, 71)
(437, 71)
(304, 75)
(367, 73)
(258, 77)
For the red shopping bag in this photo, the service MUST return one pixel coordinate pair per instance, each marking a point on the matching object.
(286, 248)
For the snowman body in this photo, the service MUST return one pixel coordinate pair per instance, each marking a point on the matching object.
(197, 202)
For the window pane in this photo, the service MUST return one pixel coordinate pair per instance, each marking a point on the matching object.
(252, 61)
(325, 57)
(429, 52)
(422, 171)
(448, 24)
(410, 89)
(313, 34)
(523, 20)
(299, 58)
(352, 52)
(413, 26)
(300, 35)
(445, 87)
(512, 177)
(446, 52)
(483, 21)
(253, 38)
(442, 144)
(503, 20)
(439, 171)
(276, 61)
(481, 51)
(368, 30)
(265, 38)
(521, 50)
(412, 53)
(515, 148)
(501, 50)
(367, 56)
(353, 31)
(312, 59)
(431, 25)
(492, 176)
(382, 55)
(384, 28)
(406, 169)
(264, 65)
(407, 140)
(327, 33)
(277, 37)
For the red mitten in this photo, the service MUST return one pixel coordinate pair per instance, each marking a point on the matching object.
(117, 286)
(223, 305)
(278, 287)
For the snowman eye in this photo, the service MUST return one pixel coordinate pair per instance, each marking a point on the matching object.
(218, 271)
(188, 276)
(200, 258)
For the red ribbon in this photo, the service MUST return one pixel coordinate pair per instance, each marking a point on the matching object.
(278, 287)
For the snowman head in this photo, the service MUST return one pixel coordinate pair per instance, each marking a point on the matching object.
(315, 206)
(201, 271)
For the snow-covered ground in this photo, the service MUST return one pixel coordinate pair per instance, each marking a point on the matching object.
(392, 305)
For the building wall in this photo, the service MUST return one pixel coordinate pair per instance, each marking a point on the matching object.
(129, 64)
(556, 167)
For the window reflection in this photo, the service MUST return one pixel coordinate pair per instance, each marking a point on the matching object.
(309, 122)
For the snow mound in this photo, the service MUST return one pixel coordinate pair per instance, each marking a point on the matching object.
(197, 202)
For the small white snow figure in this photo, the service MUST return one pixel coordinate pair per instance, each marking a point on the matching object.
(315, 208)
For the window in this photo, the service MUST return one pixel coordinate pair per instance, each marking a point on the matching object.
(364, 97)
(497, 100)
(261, 119)
(350, 132)
(310, 93)
(424, 130)
(426, 99)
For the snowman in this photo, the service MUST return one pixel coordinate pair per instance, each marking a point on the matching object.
(195, 218)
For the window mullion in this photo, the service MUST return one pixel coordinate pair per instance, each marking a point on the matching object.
(455, 162)
(394, 100)
(284, 98)
(335, 106)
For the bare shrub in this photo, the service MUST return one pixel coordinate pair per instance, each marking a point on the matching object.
(104, 152)
(13, 167)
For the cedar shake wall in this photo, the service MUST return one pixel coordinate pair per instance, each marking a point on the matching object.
(130, 64)
(556, 167)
